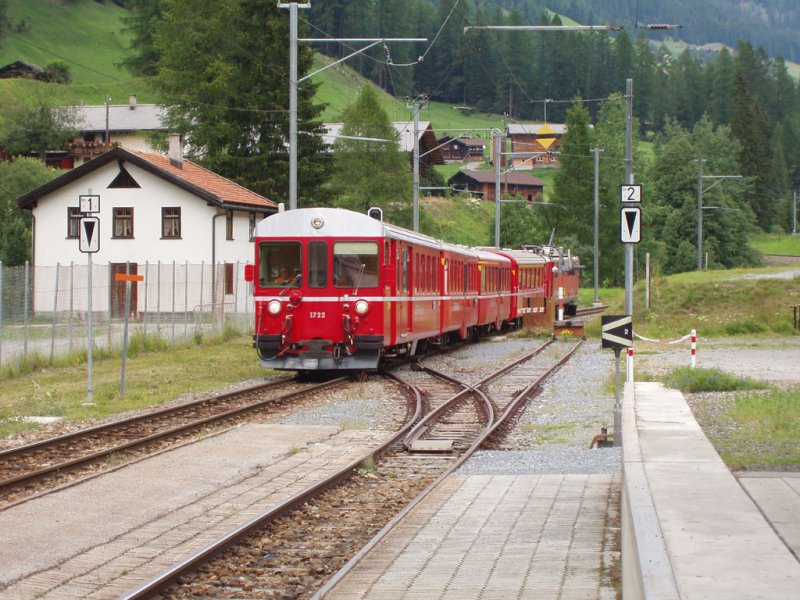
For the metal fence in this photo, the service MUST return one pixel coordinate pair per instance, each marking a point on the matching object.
(44, 310)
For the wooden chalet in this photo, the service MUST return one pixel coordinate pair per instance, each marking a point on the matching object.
(461, 148)
(429, 152)
(22, 69)
(482, 184)
(534, 144)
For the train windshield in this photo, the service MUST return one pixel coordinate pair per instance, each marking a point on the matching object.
(355, 264)
(279, 264)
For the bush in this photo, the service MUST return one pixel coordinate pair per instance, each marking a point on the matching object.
(691, 380)
(57, 72)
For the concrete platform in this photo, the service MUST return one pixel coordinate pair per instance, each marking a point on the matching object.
(778, 497)
(693, 529)
(105, 536)
(494, 537)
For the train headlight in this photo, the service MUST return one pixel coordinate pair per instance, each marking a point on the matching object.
(274, 307)
(362, 306)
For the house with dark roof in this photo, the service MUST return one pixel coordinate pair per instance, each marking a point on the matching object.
(462, 148)
(429, 152)
(150, 209)
(105, 126)
(512, 183)
(19, 68)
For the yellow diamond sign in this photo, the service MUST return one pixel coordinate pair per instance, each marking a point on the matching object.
(545, 136)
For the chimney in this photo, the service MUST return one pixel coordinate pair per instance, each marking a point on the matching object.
(132, 101)
(176, 150)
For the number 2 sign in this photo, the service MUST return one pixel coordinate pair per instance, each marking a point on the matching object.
(630, 193)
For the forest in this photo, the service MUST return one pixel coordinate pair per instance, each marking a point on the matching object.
(222, 69)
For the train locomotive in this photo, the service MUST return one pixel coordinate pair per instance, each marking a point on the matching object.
(339, 290)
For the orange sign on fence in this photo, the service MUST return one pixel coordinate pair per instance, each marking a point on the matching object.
(126, 277)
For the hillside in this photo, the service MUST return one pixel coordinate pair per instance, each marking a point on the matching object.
(772, 24)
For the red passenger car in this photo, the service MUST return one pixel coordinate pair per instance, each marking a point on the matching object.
(337, 290)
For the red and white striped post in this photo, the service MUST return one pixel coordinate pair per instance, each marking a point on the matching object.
(561, 304)
(630, 365)
(694, 348)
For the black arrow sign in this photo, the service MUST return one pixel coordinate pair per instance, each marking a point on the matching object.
(617, 331)
(90, 235)
(88, 227)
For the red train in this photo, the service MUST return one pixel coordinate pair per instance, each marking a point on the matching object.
(338, 290)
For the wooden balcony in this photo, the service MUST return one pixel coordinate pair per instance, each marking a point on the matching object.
(89, 149)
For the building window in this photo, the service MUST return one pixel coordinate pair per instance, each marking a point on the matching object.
(73, 221)
(171, 222)
(123, 222)
(252, 226)
(228, 224)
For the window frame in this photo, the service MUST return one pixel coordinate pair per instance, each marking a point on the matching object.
(74, 216)
(165, 217)
(119, 218)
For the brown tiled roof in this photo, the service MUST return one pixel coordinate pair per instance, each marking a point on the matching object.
(189, 176)
(225, 189)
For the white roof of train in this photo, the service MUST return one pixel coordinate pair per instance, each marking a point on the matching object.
(335, 222)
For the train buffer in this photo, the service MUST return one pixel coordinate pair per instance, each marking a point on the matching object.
(568, 327)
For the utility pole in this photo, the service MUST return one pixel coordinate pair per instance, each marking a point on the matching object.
(294, 81)
(293, 6)
(417, 106)
(794, 214)
(629, 181)
(701, 208)
(597, 152)
(496, 139)
(700, 213)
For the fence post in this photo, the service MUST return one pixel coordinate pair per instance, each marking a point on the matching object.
(236, 294)
(55, 312)
(26, 298)
(110, 286)
(173, 301)
(158, 300)
(186, 300)
(202, 274)
(1, 312)
(146, 281)
(71, 302)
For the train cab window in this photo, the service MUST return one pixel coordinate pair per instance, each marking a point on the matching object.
(317, 264)
(355, 264)
(280, 264)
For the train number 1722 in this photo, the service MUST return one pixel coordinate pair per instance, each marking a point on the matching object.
(316, 315)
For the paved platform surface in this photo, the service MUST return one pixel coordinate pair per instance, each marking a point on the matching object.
(495, 537)
(718, 542)
(778, 497)
(105, 536)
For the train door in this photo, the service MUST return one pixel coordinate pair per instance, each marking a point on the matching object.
(403, 304)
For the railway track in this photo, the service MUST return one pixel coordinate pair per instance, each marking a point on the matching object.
(294, 548)
(53, 461)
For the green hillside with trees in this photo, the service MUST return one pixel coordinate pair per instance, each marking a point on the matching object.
(222, 71)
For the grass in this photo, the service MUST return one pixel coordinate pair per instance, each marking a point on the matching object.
(150, 381)
(777, 243)
(714, 303)
(88, 36)
(754, 430)
(756, 427)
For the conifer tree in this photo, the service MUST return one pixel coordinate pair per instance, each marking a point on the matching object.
(369, 172)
